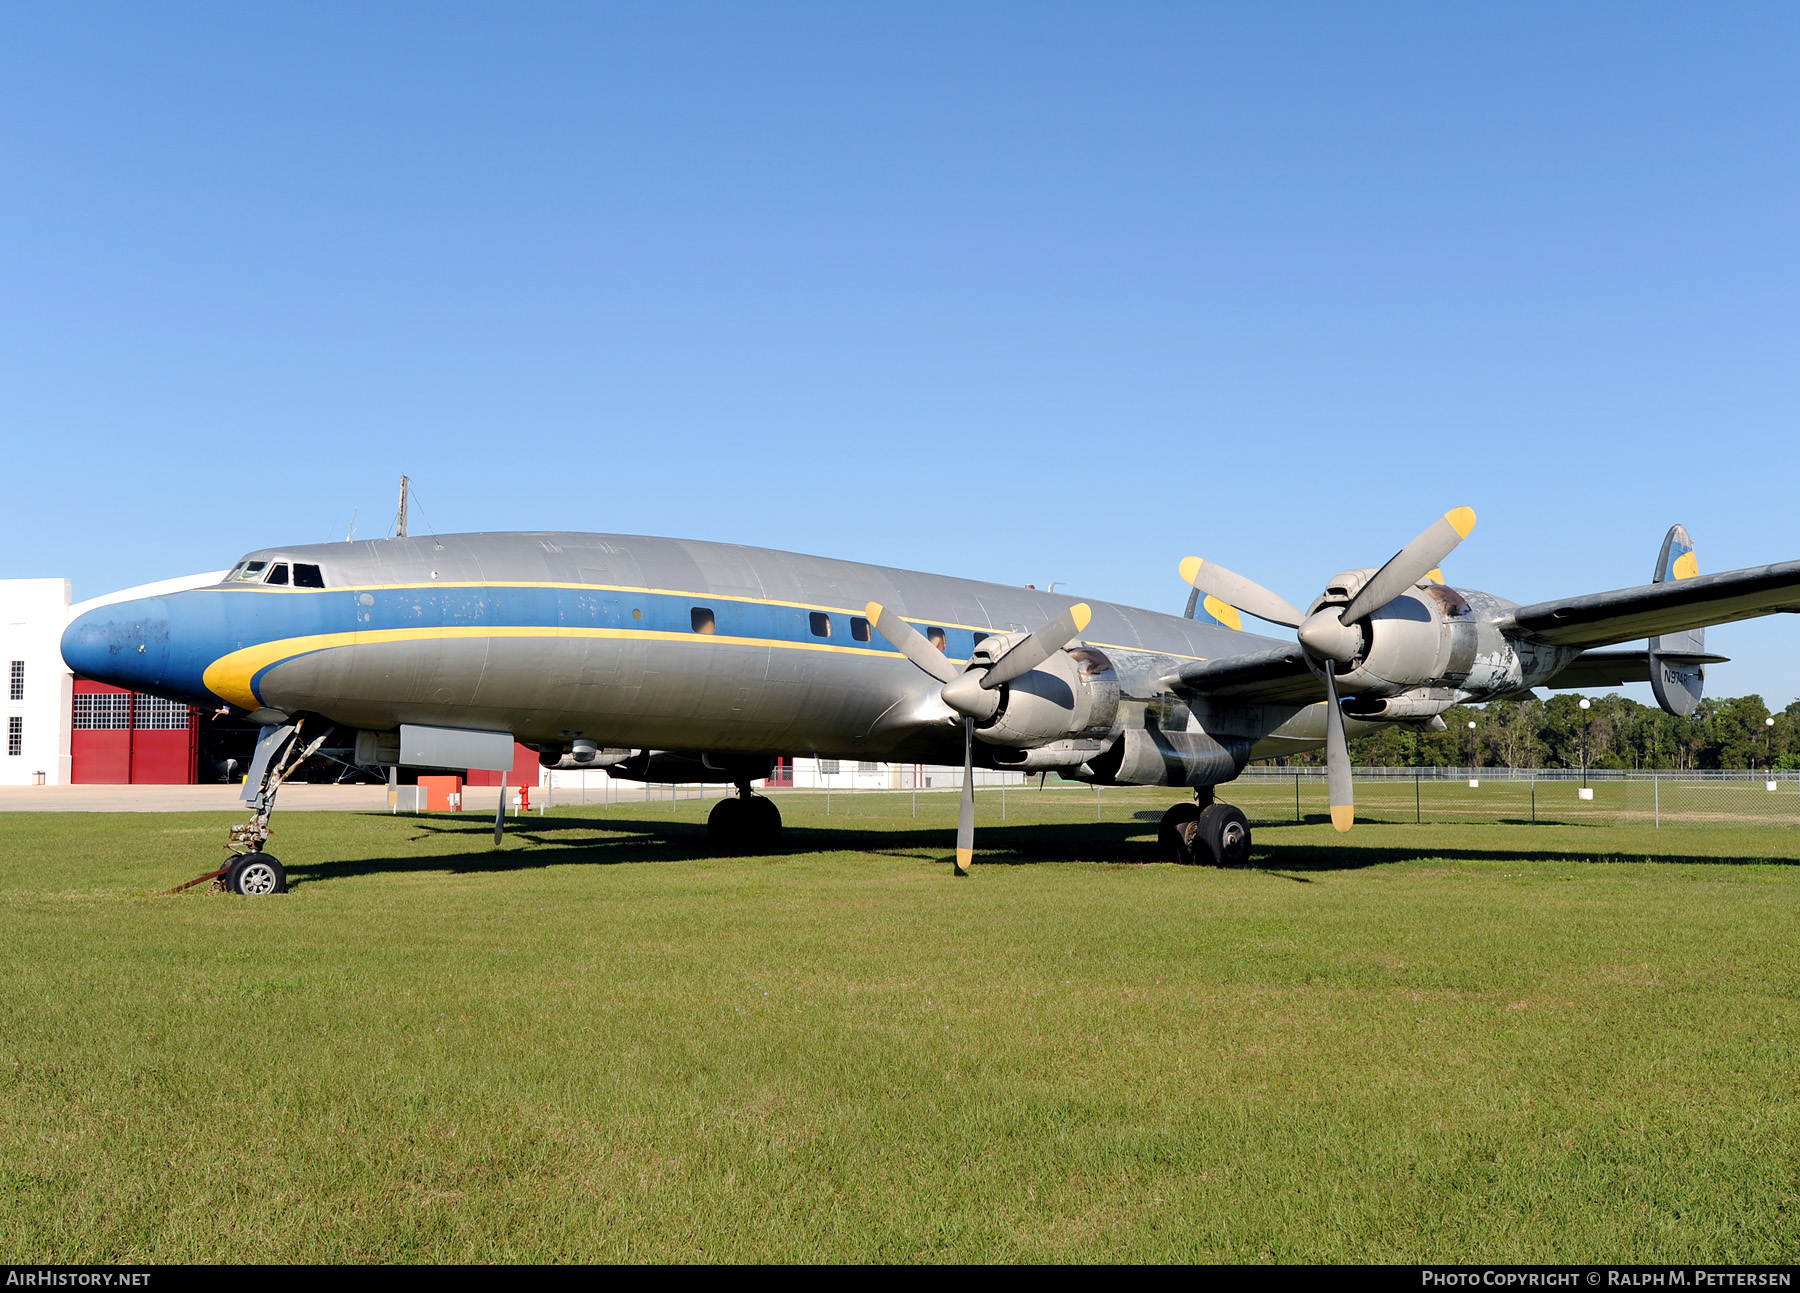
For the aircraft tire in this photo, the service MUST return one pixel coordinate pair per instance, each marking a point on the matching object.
(1171, 842)
(1224, 836)
(727, 825)
(255, 875)
(766, 818)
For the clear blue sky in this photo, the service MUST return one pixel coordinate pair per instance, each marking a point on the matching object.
(1026, 293)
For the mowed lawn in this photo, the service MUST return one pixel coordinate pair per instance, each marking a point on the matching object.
(1496, 1043)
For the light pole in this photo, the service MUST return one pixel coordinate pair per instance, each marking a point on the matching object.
(1768, 744)
(1586, 720)
(1472, 745)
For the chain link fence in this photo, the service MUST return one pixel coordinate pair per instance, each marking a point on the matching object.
(1526, 795)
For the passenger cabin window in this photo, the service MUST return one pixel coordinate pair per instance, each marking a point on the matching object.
(308, 576)
(859, 628)
(937, 638)
(703, 621)
(248, 572)
(277, 575)
(821, 624)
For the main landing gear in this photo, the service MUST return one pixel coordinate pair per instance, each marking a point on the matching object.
(1204, 831)
(746, 824)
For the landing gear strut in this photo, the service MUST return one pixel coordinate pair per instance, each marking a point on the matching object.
(1204, 831)
(746, 824)
(279, 753)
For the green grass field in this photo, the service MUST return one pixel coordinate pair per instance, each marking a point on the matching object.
(1417, 1043)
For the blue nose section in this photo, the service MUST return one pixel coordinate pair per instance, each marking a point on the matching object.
(126, 644)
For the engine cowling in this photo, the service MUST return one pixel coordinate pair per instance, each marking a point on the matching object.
(1427, 636)
(1074, 695)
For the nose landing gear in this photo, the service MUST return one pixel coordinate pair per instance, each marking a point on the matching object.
(251, 871)
(746, 824)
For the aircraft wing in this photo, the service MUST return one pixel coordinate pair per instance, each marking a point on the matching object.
(1599, 619)
(1616, 668)
(1277, 675)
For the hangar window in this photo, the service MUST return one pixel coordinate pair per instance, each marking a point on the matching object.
(153, 714)
(248, 572)
(16, 687)
(703, 620)
(859, 628)
(828, 767)
(15, 735)
(277, 574)
(821, 624)
(867, 766)
(107, 711)
(937, 638)
(308, 576)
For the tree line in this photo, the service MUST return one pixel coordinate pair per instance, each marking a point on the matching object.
(1614, 732)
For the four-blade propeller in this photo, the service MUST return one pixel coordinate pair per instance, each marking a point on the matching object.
(1329, 635)
(971, 692)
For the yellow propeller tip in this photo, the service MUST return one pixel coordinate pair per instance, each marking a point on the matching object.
(1083, 614)
(1190, 566)
(1343, 817)
(1224, 612)
(1435, 576)
(1462, 520)
(964, 857)
(873, 610)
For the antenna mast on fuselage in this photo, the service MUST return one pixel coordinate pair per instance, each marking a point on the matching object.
(400, 517)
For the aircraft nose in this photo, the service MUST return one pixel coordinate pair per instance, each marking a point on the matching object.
(126, 644)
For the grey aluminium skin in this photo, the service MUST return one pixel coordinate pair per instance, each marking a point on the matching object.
(671, 659)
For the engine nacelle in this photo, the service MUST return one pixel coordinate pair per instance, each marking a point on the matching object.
(1147, 757)
(1419, 705)
(1074, 695)
(1429, 636)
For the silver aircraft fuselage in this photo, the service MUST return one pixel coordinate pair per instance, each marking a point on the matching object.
(559, 636)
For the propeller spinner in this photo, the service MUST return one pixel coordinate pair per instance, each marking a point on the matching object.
(971, 691)
(1329, 635)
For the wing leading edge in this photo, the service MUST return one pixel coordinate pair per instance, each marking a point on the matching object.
(1278, 675)
(1600, 619)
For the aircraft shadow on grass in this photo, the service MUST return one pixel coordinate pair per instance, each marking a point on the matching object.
(618, 841)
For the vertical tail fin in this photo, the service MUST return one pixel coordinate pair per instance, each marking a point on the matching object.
(1677, 684)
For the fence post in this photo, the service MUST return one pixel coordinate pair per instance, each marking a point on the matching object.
(1297, 817)
(1096, 803)
(1418, 812)
(1656, 797)
(1003, 801)
(1534, 796)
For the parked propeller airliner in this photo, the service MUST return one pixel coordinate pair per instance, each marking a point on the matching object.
(674, 660)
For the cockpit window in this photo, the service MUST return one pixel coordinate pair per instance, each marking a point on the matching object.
(247, 572)
(306, 576)
(277, 575)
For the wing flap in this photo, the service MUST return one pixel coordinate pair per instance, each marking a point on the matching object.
(1280, 674)
(1599, 619)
